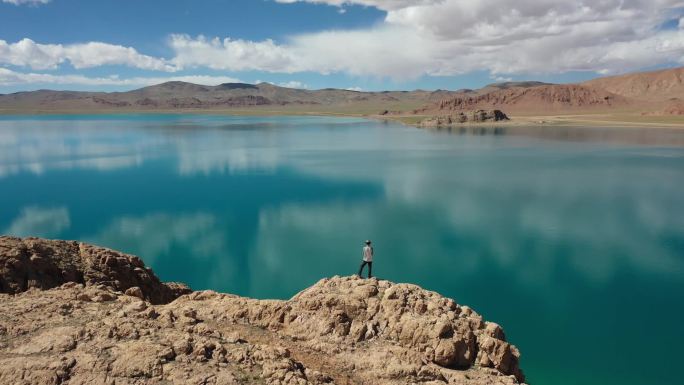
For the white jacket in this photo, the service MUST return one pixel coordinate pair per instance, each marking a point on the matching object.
(368, 253)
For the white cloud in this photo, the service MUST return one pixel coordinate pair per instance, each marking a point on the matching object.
(380, 52)
(9, 77)
(447, 37)
(229, 54)
(417, 37)
(381, 4)
(27, 53)
(357, 89)
(294, 84)
(40, 222)
(28, 2)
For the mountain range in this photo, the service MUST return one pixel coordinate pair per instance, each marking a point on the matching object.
(645, 93)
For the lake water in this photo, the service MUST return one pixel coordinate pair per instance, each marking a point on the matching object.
(575, 246)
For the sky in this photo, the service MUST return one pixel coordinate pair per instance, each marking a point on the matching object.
(370, 45)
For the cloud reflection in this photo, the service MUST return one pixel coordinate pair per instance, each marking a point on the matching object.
(36, 221)
(153, 235)
(39, 146)
(491, 211)
(467, 203)
(193, 248)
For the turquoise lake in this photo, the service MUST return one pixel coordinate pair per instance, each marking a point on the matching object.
(572, 240)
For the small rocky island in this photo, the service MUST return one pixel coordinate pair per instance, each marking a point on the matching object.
(73, 313)
(460, 117)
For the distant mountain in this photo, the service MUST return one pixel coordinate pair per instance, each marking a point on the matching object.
(507, 85)
(649, 93)
(183, 95)
(657, 92)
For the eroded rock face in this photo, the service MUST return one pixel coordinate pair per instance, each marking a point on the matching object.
(43, 264)
(342, 330)
(476, 116)
(349, 311)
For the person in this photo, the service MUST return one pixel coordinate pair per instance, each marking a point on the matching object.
(367, 259)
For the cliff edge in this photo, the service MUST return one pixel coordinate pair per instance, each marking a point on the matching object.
(76, 314)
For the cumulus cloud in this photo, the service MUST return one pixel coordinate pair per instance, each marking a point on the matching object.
(419, 37)
(9, 77)
(27, 53)
(294, 84)
(28, 2)
(230, 54)
(447, 37)
(380, 52)
(381, 4)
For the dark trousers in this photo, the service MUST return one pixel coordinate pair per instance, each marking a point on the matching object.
(370, 268)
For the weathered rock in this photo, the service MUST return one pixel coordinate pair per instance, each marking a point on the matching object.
(342, 330)
(135, 292)
(43, 264)
(459, 117)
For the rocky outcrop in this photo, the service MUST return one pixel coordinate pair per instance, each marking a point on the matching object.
(477, 116)
(341, 330)
(44, 264)
(674, 106)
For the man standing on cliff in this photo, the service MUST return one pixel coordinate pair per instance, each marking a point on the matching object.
(367, 259)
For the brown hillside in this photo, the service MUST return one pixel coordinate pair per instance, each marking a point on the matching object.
(648, 86)
(182, 95)
(543, 98)
(674, 107)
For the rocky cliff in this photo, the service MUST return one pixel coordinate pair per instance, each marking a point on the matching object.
(80, 314)
(530, 99)
(644, 86)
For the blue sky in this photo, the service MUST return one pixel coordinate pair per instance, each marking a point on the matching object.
(356, 44)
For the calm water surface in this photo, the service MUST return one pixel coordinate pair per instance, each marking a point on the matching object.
(576, 248)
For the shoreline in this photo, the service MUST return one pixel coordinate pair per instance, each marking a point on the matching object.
(594, 120)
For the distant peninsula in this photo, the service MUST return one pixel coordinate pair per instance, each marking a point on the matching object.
(645, 98)
(76, 313)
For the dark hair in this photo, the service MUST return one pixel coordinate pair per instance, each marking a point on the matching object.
(368, 242)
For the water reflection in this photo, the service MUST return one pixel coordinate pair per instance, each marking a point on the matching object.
(619, 135)
(580, 244)
(34, 221)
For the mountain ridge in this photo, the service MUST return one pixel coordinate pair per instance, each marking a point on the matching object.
(656, 85)
(645, 93)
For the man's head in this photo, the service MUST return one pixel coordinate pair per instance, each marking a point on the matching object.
(368, 242)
